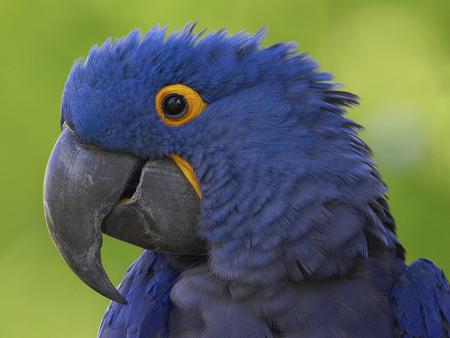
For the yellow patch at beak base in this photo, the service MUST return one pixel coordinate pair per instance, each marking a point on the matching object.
(188, 171)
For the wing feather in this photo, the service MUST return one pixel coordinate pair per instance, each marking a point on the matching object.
(421, 298)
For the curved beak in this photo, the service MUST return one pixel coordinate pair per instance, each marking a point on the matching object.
(83, 189)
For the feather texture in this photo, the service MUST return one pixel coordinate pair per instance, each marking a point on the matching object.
(421, 298)
(146, 287)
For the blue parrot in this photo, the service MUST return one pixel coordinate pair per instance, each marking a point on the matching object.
(261, 210)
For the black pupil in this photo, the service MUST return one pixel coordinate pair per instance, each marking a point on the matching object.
(174, 105)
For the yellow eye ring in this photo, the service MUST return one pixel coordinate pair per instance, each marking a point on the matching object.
(178, 104)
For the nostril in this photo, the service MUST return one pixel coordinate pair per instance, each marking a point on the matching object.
(65, 125)
(134, 178)
(69, 126)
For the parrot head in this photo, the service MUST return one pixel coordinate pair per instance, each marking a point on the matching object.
(194, 145)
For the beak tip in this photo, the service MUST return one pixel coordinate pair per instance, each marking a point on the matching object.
(97, 279)
(118, 298)
(103, 286)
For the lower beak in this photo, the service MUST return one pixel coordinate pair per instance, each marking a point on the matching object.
(83, 189)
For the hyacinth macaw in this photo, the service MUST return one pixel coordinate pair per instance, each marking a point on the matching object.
(234, 166)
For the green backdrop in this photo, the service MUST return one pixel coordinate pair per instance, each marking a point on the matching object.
(395, 55)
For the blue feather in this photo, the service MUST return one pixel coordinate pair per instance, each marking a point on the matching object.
(421, 299)
(146, 287)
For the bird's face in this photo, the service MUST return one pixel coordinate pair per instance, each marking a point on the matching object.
(153, 128)
(154, 97)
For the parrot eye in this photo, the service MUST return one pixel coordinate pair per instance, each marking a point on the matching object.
(174, 106)
(178, 104)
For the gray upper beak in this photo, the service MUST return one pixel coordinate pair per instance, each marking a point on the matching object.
(83, 187)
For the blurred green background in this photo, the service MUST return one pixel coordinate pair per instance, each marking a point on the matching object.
(395, 55)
